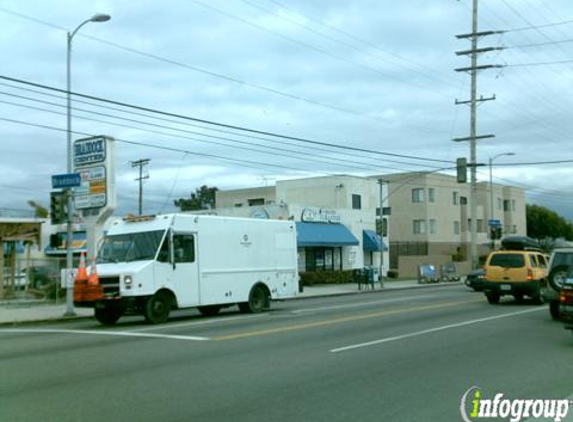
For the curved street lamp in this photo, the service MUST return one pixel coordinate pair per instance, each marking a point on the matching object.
(99, 17)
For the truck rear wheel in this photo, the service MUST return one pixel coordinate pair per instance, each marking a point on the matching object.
(157, 308)
(258, 300)
(108, 316)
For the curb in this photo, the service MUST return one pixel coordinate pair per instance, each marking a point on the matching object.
(333, 294)
(379, 290)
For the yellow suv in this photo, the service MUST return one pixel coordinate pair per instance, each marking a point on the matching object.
(517, 273)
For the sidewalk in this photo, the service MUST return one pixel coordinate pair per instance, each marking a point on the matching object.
(16, 312)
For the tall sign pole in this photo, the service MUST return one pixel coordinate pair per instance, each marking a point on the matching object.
(95, 199)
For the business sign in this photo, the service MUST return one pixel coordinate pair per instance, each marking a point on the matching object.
(92, 192)
(89, 151)
(63, 181)
(319, 215)
(494, 223)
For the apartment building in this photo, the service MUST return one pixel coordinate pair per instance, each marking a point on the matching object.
(430, 218)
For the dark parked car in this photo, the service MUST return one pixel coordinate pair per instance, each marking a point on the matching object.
(476, 279)
(566, 303)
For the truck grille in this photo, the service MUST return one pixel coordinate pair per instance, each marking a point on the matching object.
(110, 286)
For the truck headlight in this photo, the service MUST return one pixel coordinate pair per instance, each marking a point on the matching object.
(128, 280)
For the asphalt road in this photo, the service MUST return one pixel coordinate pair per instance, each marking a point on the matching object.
(385, 356)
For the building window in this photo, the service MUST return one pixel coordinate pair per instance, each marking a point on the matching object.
(431, 195)
(433, 226)
(418, 195)
(456, 227)
(506, 204)
(514, 229)
(356, 202)
(238, 205)
(456, 198)
(256, 201)
(384, 227)
(513, 204)
(498, 203)
(419, 226)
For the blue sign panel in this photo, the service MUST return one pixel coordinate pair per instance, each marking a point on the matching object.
(494, 223)
(62, 181)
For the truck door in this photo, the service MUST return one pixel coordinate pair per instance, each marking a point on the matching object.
(178, 267)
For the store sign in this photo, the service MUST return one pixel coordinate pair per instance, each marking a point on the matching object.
(89, 151)
(92, 191)
(320, 215)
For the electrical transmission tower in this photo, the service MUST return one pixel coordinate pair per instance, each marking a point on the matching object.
(473, 70)
(141, 163)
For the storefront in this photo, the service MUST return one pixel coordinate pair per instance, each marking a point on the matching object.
(322, 246)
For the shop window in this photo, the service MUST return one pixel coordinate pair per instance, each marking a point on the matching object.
(356, 202)
(418, 195)
(323, 259)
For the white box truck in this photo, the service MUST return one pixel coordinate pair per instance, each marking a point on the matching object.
(150, 265)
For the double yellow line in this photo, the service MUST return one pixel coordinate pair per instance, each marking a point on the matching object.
(334, 321)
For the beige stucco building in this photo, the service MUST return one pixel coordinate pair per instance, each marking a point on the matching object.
(425, 217)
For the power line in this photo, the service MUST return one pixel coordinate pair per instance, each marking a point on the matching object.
(272, 148)
(535, 27)
(228, 126)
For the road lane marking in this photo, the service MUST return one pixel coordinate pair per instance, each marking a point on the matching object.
(101, 333)
(193, 323)
(339, 320)
(432, 330)
(357, 305)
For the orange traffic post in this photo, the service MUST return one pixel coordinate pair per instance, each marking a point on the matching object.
(93, 278)
(81, 280)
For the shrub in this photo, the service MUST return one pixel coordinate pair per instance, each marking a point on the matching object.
(310, 278)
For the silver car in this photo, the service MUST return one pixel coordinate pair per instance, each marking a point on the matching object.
(560, 265)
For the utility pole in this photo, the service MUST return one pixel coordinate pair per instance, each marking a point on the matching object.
(473, 71)
(141, 163)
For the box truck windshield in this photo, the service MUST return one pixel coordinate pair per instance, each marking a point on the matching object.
(128, 247)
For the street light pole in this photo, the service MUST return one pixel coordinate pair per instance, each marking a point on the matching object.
(69, 232)
(491, 216)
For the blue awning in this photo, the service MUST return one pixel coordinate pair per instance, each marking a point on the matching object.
(372, 242)
(320, 234)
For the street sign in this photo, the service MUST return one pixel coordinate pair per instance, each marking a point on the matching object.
(62, 181)
(494, 223)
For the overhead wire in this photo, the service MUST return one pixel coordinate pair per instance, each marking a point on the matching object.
(228, 126)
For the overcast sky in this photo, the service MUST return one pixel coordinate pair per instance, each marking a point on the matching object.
(374, 75)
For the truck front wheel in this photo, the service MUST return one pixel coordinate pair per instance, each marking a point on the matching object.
(157, 308)
(107, 315)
